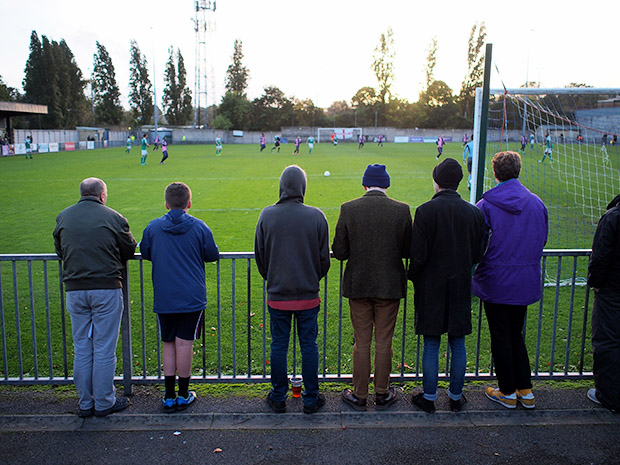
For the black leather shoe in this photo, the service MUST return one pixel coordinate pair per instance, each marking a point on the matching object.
(383, 401)
(276, 406)
(121, 404)
(320, 402)
(419, 401)
(457, 405)
(349, 397)
(85, 413)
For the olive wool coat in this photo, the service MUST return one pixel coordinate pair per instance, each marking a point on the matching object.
(448, 239)
(373, 233)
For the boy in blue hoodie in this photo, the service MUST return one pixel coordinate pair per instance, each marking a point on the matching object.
(178, 244)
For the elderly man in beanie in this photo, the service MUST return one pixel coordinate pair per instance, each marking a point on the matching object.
(448, 239)
(373, 233)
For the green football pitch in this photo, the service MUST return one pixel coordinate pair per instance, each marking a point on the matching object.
(228, 194)
(228, 191)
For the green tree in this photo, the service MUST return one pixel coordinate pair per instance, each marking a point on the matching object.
(53, 78)
(383, 65)
(237, 75)
(140, 87)
(34, 74)
(475, 69)
(272, 110)
(431, 61)
(7, 93)
(237, 109)
(186, 109)
(177, 99)
(364, 102)
(106, 94)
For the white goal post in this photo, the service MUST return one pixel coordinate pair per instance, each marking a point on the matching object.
(342, 134)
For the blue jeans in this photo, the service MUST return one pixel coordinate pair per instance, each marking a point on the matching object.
(430, 366)
(307, 332)
(95, 323)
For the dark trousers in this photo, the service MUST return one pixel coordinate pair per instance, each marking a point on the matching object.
(512, 365)
(307, 332)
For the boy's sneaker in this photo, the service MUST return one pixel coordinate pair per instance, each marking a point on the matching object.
(509, 401)
(183, 402)
(592, 396)
(526, 398)
(169, 405)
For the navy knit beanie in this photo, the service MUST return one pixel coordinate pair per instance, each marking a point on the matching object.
(376, 176)
(448, 174)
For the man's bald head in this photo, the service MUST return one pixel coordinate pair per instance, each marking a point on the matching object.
(94, 187)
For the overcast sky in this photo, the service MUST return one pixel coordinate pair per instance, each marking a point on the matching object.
(323, 49)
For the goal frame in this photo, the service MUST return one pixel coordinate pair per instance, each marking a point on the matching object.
(339, 131)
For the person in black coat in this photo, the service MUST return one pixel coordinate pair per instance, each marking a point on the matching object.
(448, 239)
(604, 278)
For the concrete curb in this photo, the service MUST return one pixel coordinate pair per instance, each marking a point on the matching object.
(295, 421)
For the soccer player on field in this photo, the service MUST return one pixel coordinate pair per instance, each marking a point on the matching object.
(164, 150)
(144, 151)
(380, 140)
(523, 143)
(28, 147)
(361, 142)
(548, 148)
(532, 140)
(156, 143)
(128, 149)
(310, 144)
(263, 142)
(218, 146)
(440, 143)
(276, 144)
(297, 144)
(468, 153)
(334, 140)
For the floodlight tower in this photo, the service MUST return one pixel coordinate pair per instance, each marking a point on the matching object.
(203, 26)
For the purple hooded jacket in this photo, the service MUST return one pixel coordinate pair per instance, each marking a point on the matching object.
(518, 225)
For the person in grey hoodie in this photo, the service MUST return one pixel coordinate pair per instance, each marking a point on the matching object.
(291, 248)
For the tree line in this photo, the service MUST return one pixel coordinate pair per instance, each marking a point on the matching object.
(52, 78)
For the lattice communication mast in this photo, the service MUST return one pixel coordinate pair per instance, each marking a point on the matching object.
(203, 26)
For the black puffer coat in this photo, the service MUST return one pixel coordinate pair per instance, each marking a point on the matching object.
(604, 277)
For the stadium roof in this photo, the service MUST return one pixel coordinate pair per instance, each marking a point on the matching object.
(8, 109)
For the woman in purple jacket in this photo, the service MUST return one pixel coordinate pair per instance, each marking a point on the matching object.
(508, 278)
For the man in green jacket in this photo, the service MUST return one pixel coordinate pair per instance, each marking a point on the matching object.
(94, 243)
(373, 234)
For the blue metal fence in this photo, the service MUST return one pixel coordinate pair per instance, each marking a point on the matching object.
(233, 347)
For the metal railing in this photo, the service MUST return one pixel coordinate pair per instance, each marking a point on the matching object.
(233, 347)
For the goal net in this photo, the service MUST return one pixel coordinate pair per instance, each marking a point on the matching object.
(342, 134)
(580, 173)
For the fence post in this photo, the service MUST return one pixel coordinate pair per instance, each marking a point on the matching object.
(126, 335)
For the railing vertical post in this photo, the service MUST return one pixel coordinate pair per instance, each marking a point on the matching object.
(126, 335)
